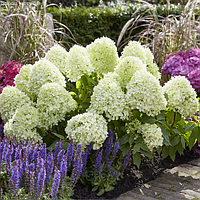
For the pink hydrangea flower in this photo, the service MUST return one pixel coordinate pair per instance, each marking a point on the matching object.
(194, 78)
(8, 71)
(172, 63)
(182, 70)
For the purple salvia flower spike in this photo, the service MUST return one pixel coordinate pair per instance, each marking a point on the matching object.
(98, 168)
(70, 151)
(40, 181)
(49, 166)
(18, 152)
(58, 148)
(15, 177)
(109, 144)
(127, 158)
(63, 167)
(114, 153)
(76, 172)
(59, 157)
(55, 184)
(43, 151)
(85, 155)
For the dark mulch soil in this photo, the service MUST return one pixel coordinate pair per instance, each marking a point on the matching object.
(134, 177)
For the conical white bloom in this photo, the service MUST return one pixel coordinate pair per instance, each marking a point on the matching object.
(181, 96)
(145, 94)
(21, 79)
(78, 63)
(127, 67)
(109, 99)
(86, 128)
(58, 56)
(43, 72)
(103, 55)
(53, 102)
(23, 124)
(11, 98)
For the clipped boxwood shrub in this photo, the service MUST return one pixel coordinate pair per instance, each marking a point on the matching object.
(87, 24)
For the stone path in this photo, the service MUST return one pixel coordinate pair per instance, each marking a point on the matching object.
(182, 182)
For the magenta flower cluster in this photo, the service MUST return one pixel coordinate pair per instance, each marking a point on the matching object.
(8, 71)
(184, 64)
(38, 171)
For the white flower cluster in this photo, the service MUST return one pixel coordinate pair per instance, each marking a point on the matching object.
(154, 70)
(86, 128)
(127, 67)
(10, 99)
(145, 94)
(21, 79)
(109, 99)
(78, 63)
(23, 124)
(152, 135)
(43, 71)
(53, 102)
(58, 56)
(181, 96)
(103, 55)
(136, 49)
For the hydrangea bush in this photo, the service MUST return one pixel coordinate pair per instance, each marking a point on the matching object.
(184, 63)
(116, 110)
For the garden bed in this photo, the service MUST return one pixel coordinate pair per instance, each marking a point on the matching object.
(134, 177)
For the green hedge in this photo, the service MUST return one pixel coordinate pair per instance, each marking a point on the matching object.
(87, 24)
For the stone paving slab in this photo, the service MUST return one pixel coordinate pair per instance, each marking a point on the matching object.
(182, 182)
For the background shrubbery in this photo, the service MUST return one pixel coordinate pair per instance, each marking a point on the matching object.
(87, 24)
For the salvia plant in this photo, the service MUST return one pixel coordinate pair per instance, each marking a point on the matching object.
(30, 170)
(112, 107)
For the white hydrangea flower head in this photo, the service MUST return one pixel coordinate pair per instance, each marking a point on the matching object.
(181, 96)
(11, 98)
(154, 70)
(53, 102)
(103, 55)
(86, 128)
(145, 94)
(149, 56)
(109, 99)
(78, 63)
(21, 79)
(127, 67)
(58, 56)
(152, 135)
(135, 48)
(23, 124)
(44, 71)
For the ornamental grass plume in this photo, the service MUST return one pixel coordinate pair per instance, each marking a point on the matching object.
(127, 67)
(43, 71)
(78, 63)
(108, 99)
(23, 124)
(103, 55)
(152, 135)
(58, 56)
(181, 96)
(21, 79)
(10, 99)
(53, 102)
(86, 128)
(145, 94)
